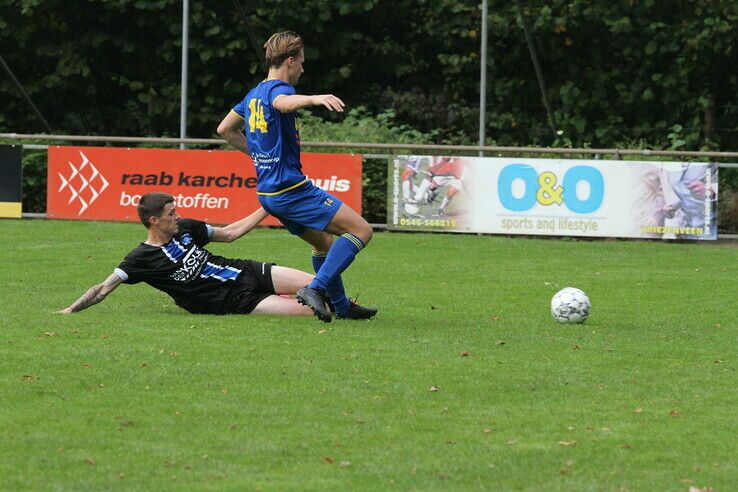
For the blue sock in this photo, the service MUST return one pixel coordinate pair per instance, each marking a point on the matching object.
(335, 290)
(340, 256)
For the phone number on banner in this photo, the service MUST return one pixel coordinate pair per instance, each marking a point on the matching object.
(428, 222)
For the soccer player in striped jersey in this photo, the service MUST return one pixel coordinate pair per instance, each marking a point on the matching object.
(263, 125)
(173, 259)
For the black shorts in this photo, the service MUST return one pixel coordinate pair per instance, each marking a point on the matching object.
(252, 286)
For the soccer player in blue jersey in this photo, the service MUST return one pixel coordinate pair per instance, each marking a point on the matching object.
(263, 125)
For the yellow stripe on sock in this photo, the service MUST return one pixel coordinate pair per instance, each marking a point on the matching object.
(357, 242)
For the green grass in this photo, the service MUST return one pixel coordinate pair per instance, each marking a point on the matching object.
(135, 393)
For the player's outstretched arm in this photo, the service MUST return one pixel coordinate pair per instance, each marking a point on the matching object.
(94, 294)
(289, 103)
(230, 130)
(238, 229)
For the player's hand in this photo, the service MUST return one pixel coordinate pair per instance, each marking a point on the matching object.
(329, 101)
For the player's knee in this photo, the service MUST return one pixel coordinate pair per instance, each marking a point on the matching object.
(365, 232)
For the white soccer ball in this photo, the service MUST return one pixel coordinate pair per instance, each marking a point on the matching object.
(570, 305)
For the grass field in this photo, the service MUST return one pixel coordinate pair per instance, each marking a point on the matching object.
(462, 382)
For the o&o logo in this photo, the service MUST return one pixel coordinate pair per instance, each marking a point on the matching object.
(544, 188)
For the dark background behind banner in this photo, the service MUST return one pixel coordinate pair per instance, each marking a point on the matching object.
(11, 172)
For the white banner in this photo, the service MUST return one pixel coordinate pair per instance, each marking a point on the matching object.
(557, 197)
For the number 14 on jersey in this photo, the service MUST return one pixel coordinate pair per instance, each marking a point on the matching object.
(256, 116)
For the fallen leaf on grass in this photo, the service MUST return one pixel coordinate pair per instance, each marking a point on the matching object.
(328, 459)
(675, 413)
(500, 342)
(464, 354)
(638, 410)
(321, 332)
(87, 365)
(28, 378)
(494, 317)
(624, 446)
(511, 442)
(567, 443)
(89, 461)
(699, 489)
(488, 430)
(433, 388)
(51, 334)
(344, 464)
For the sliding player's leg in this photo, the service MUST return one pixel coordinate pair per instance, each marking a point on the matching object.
(285, 306)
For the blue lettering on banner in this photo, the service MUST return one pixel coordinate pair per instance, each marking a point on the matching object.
(591, 175)
(504, 187)
(543, 188)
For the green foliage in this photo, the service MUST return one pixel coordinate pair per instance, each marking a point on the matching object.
(636, 71)
(34, 181)
(361, 126)
(615, 71)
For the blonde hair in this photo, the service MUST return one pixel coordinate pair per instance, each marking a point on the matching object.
(281, 46)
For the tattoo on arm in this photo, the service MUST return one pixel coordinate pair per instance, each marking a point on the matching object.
(95, 294)
(89, 298)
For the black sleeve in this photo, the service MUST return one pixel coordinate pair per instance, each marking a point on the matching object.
(128, 271)
(196, 228)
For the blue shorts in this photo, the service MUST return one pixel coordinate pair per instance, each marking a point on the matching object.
(305, 207)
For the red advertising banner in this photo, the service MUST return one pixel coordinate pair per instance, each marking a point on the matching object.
(217, 186)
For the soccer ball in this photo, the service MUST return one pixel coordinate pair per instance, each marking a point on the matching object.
(411, 208)
(570, 305)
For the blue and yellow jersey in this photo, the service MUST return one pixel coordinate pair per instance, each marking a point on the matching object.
(272, 136)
